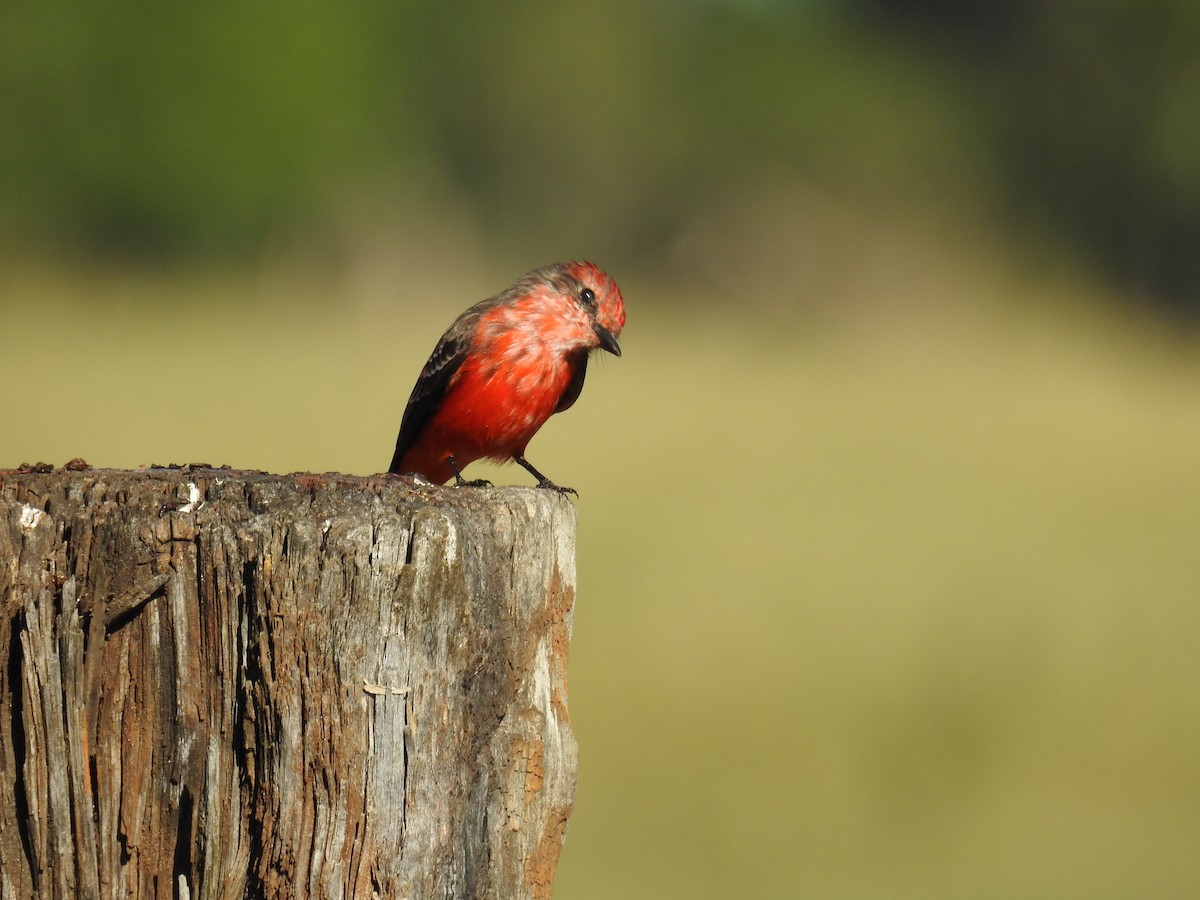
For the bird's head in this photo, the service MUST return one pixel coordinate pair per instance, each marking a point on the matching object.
(600, 297)
(560, 308)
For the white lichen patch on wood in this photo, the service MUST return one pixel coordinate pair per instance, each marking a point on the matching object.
(194, 498)
(30, 517)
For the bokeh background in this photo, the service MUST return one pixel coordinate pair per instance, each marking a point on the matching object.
(889, 545)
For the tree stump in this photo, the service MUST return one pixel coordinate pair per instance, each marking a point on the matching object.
(232, 684)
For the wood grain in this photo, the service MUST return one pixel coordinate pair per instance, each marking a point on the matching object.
(231, 684)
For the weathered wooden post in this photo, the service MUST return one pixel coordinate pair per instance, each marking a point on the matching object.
(231, 684)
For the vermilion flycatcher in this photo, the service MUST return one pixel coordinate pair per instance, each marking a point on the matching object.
(504, 367)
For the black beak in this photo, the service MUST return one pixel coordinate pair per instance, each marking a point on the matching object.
(607, 341)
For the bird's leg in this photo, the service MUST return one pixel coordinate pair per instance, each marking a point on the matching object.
(459, 481)
(543, 481)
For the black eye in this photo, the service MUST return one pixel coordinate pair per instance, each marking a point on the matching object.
(587, 297)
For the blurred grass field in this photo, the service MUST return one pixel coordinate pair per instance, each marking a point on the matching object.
(869, 606)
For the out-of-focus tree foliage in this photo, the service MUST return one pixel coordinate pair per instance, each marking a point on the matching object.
(167, 131)
(181, 130)
(1094, 117)
(175, 131)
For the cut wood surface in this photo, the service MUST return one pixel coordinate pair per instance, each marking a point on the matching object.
(230, 684)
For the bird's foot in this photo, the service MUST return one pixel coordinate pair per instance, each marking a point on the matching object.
(543, 481)
(459, 481)
(551, 486)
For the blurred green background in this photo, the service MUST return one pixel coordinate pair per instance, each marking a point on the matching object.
(889, 582)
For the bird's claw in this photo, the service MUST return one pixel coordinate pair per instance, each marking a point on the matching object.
(551, 486)
(543, 481)
(477, 482)
(459, 481)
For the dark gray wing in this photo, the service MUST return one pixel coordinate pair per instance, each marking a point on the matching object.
(435, 377)
(575, 385)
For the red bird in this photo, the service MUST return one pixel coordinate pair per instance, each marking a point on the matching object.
(503, 368)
